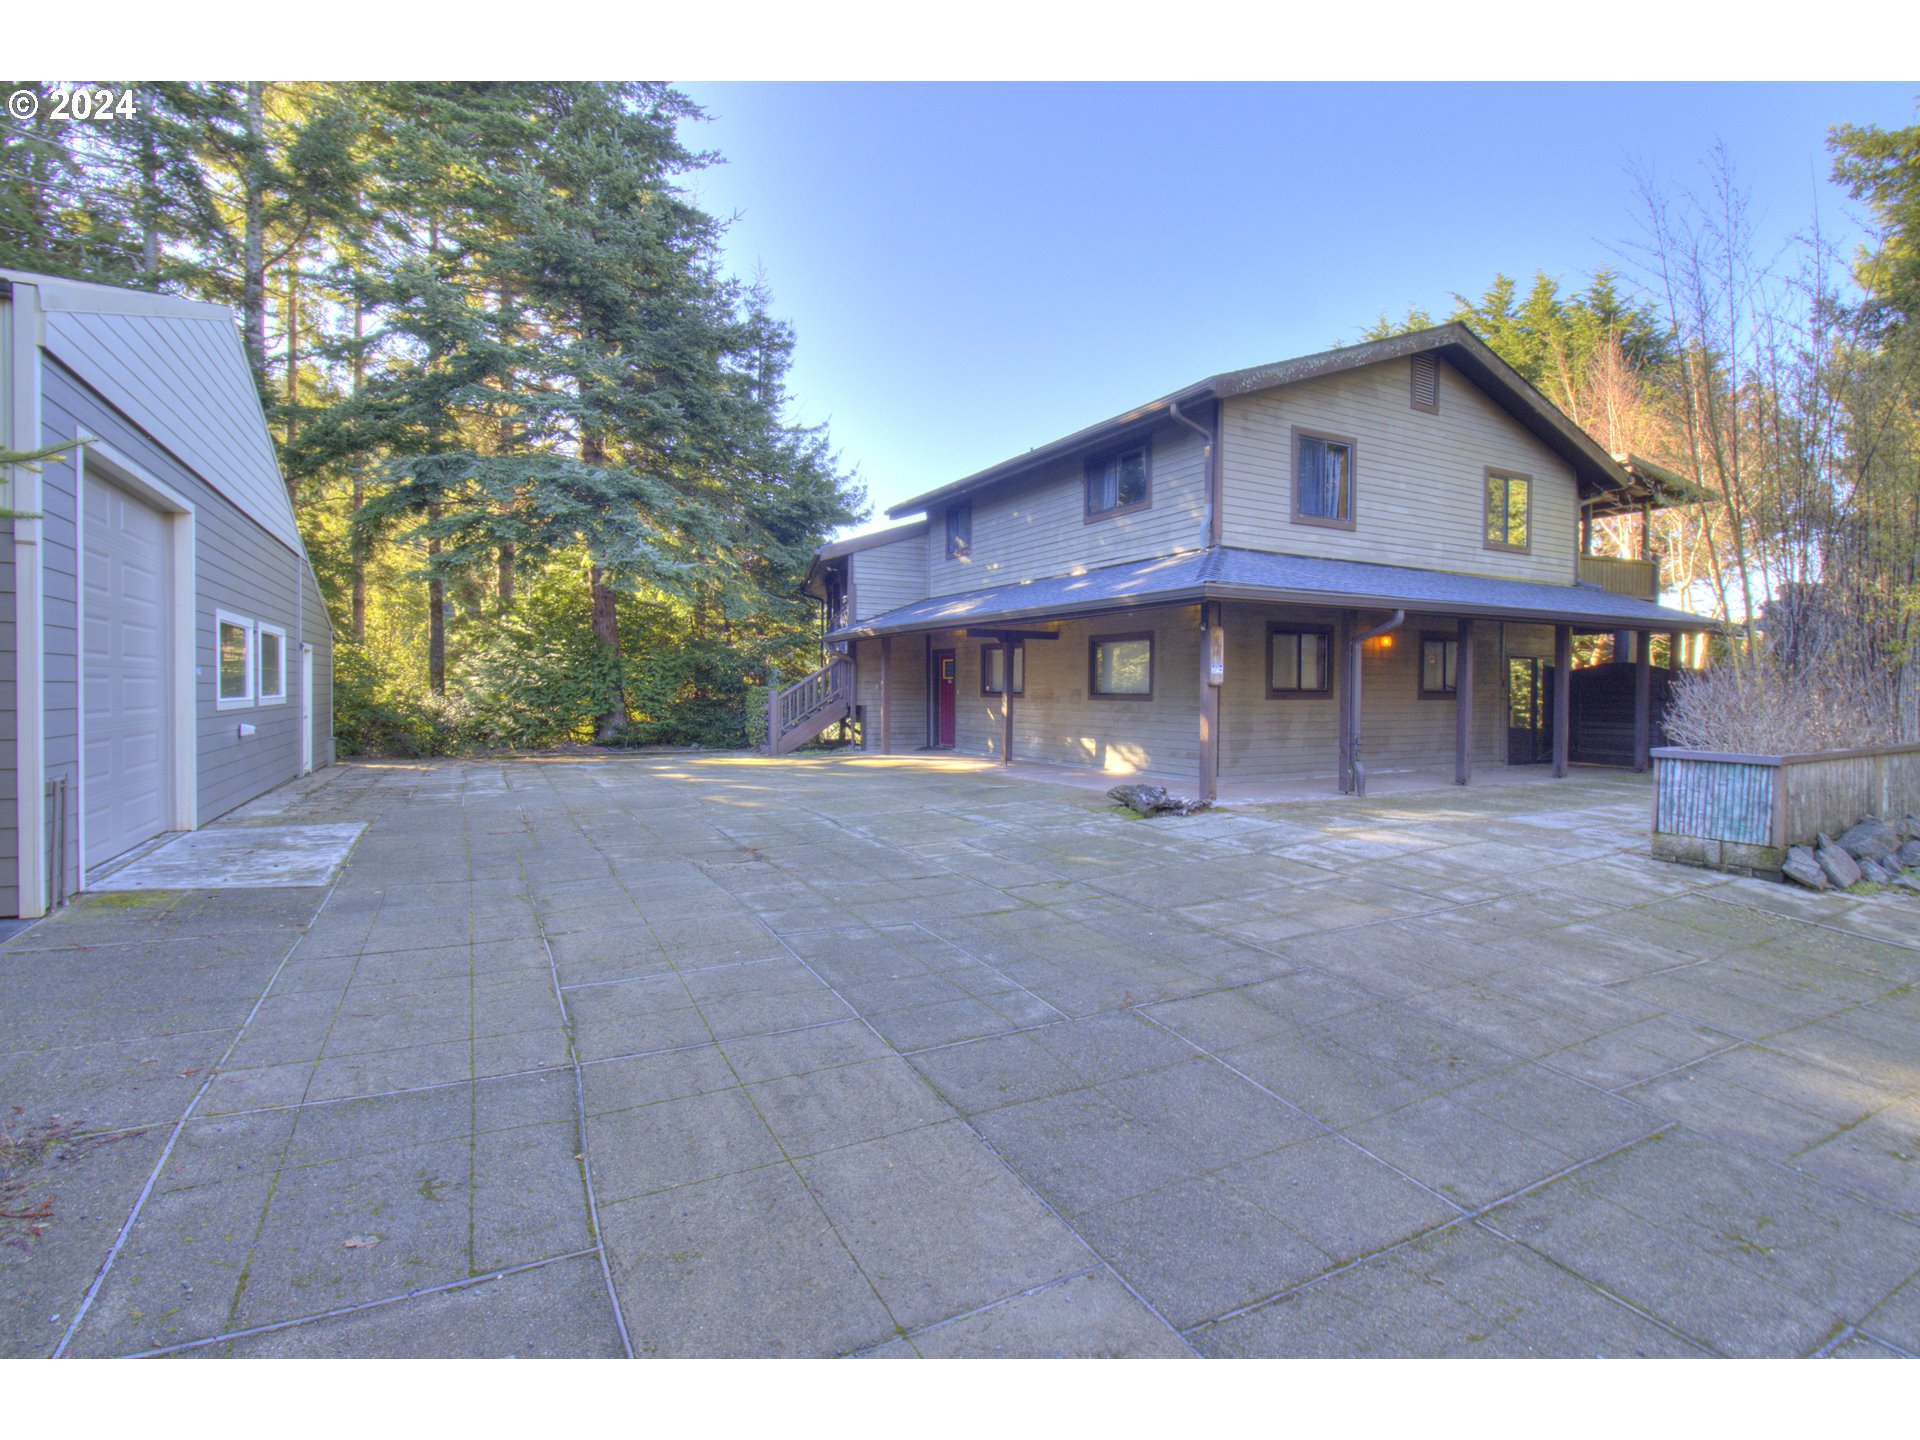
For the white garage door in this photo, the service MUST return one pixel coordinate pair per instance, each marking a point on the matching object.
(123, 778)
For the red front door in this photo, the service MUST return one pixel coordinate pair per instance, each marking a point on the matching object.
(943, 696)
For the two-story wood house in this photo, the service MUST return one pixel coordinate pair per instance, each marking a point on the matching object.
(1370, 558)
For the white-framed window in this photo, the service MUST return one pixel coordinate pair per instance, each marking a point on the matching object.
(233, 652)
(270, 644)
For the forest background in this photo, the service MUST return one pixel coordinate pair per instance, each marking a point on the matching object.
(538, 440)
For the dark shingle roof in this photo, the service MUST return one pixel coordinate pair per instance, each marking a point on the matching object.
(1295, 579)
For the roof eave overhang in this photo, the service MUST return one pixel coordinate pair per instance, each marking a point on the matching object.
(1274, 595)
(1139, 418)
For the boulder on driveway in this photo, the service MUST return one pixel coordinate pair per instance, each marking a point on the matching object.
(1802, 867)
(1154, 800)
(1839, 865)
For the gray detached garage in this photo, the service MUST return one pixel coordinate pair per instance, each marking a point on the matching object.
(164, 651)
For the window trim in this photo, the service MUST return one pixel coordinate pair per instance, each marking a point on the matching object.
(1326, 437)
(1089, 515)
(964, 548)
(221, 619)
(1289, 627)
(260, 696)
(1420, 665)
(1094, 642)
(1019, 681)
(1487, 541)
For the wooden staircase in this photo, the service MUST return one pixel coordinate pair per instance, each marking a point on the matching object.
(801, 711)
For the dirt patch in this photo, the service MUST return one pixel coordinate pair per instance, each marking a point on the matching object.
(32, 1157)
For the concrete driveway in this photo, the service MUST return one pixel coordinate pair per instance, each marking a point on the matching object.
(689, 1056)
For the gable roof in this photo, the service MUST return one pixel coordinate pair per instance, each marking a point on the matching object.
(839, 549)
(1595, 471)
(175, 368)
(1259, 575)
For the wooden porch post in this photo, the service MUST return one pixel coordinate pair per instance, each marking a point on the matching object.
(1006, 704)
(1463, 706)
(1642, 698)
(886, 694)
(1212, 647)
(1562, 697)
(1675, 660)
(1343, 669)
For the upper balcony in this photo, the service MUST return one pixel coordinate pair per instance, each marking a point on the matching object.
(1638, 578)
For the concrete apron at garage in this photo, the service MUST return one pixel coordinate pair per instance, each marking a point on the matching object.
(719, 1055)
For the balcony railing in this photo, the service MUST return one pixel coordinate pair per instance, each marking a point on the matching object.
(1638, 578)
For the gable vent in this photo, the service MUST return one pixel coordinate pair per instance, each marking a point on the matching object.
(1426, 384)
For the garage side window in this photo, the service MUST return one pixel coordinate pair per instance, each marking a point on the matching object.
(235, 640)
(271, 641)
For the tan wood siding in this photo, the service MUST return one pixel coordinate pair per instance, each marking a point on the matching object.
(888, 576)
(1271, 739)
(908, 680)
(1419, 479)
(1038, 527)
(1057, 722)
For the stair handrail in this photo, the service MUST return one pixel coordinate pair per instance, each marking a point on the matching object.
(792, 707)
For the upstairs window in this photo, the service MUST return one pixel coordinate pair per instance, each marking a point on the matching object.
(1509, 499)
(1120, 667)
(1439, 662)
(993, 669)
(1426, 383)
(960, 530)
(1118, 483)
(1297, 660)
(1323, 480)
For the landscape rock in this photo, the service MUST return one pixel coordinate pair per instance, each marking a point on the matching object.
(1801, 866)
(1909, 854)
(1838, 864)
(1154, 800)
(1144, 798)
(1870, 840)
(1908, 882)
(1872, 872)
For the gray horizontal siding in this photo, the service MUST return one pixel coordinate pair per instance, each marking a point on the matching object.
(240, 568)
(185, 382)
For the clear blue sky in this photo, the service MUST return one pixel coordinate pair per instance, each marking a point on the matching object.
(977, 269)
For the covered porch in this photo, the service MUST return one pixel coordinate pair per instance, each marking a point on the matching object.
(1241, 673)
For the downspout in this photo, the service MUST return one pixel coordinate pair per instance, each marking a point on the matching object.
(1212, 637)
(1210, 455)
(22, 407)
(1358, 777)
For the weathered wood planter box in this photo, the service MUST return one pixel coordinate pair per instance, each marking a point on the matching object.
(1742, 812)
